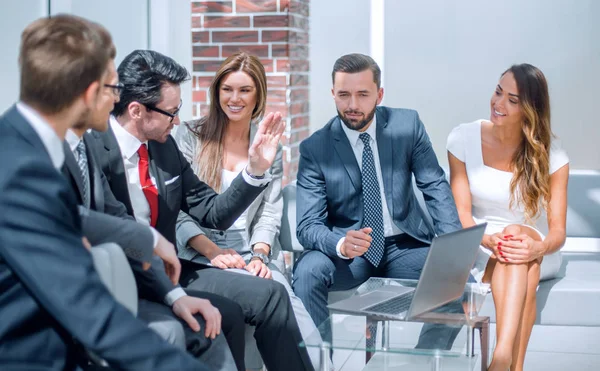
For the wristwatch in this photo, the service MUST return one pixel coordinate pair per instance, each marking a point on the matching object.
(265, 259)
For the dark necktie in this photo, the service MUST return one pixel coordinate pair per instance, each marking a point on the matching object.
(82, 161)
(373, 211)
(148, 187)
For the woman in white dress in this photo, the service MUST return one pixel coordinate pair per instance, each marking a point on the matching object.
(511, 173)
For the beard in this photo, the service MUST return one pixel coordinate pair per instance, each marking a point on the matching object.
(356, 124)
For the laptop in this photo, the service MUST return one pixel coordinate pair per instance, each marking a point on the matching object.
(443, 279)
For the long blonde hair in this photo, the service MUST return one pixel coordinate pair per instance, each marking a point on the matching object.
(210, 129)
(530, 185)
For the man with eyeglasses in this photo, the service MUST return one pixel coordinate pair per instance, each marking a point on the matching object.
(147, 172)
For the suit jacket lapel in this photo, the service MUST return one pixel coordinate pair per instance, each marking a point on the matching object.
(344, 150)
(116, 169)
(73, 171)
(158, 175)
(96, 190)
(386, 156)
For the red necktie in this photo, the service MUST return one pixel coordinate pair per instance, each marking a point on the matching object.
(148, 187)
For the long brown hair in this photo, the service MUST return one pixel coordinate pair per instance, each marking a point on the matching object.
(530, 185)
(210, 129)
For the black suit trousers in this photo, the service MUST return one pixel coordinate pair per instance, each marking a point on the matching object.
(265, 305)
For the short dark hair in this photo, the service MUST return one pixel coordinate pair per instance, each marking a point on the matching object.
(59, 58)
(354, 63)
(143, 73)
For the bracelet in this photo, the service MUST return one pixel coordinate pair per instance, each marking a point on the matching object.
(257, 177)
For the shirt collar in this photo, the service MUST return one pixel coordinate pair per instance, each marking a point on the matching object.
(47, 135)
(128, 144)
(72, 139)
(353, 135)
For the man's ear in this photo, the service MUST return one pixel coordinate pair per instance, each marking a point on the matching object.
(332, 93)
(90, 95)
(135, 110)
(379, 96)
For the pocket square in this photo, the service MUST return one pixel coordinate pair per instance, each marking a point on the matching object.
(171, 180)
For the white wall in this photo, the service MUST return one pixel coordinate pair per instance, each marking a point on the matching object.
(444, 59)
(337, 27)
(165, 26)
(14, 17)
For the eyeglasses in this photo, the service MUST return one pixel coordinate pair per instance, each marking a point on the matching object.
(169, 114)
(116, 89)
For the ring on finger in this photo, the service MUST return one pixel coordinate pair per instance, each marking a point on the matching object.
(354, 247)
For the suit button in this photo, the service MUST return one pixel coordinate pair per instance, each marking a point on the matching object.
(221, 233)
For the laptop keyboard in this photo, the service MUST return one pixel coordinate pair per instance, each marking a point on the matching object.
(394, 305)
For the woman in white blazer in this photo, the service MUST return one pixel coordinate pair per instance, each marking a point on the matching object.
(217, 148)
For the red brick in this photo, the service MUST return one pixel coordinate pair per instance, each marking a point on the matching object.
(274, 35)
(235, 36)
(300, 122)
(276, 107)
(298, 37)
(284, 5)
(299, 66)
(212, 7)
(298, 80)
(279, 50)
(202, 81)
(200, 36)
(299, 95)
(215, 21)
(283, 65)
(299, 136)
(199, 96)
(268, 64)
(297, 108)
(205, 51)
(271, 21)
(255, 6)
(299, 7)
(196, 22)
(276, 81)
(296, 21)
(207, 66)
(297, 51)
(276, 96)
(257, 50)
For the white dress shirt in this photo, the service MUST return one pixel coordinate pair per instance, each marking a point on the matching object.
(389, 227)
(47, 135)
(129, 145)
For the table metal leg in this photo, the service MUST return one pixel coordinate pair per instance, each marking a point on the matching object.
(484, 340)
(385, 336)
(436, 363)
(325, 354)
(470, 341)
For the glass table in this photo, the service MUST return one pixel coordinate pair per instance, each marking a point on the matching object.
(387, 344)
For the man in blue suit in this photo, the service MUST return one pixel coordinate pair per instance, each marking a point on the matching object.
(52, 302)
(357, 213)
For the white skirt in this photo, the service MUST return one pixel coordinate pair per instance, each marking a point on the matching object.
(550, 264)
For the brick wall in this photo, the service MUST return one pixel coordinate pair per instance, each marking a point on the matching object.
(274, 30)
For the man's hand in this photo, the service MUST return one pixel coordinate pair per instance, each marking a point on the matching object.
(356, 243)
(227, 258)
(166, 251)
(264, 147)
(258, 268)
(86, 243)
(185, 308)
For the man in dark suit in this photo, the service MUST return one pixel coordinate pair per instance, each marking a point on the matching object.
(52, 298)
(115, 225)
(357, 214)
(147, 172)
